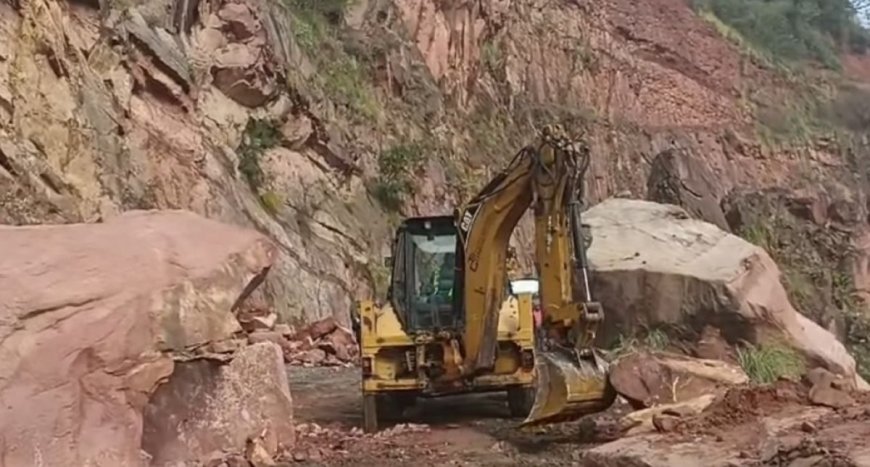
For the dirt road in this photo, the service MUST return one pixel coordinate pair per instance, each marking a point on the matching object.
(752, 426)
(464, 430)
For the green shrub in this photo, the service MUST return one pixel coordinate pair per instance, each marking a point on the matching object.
(312, 21)
(344, 78)
(259, 136)
(271, 202)
(766, 364)
(792, 30)
(331, 9)
(396, 169)
(345, 81)
(650, 339)
(851, 108)
(856, 320)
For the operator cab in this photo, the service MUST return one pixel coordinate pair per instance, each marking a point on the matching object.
(426, 274)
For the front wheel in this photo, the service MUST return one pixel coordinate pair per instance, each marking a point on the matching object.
(386, 407)
(520, 401)
(370, 413)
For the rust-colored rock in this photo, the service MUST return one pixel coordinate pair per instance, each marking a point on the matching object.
(245, 69)
(712, 346)
(341, 343)
(312, 356)
(665, 422)
(828, 389)
(810, 206)
(830, 397)
(264, 322)
(285, 329)
(268, 336)
(644, 420)
(239, 20)
(207, 407)
(676, 177)
(227, 345)
(85, 311)
(323, 327)
(646, 379)
(296, 131)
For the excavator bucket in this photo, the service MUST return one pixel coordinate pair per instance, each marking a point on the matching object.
(568, 387)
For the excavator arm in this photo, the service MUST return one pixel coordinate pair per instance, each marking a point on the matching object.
(546, 176)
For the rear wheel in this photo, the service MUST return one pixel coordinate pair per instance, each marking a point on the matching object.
(520, 401)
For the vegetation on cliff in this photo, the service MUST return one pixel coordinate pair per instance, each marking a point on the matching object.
(818, 262)
(359, 73)
(794, 30)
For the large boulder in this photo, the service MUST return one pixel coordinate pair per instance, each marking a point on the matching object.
(206, 407)
(653, 264)
(89, 315)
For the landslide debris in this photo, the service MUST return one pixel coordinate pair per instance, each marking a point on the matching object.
(321, 343)
(776, 424)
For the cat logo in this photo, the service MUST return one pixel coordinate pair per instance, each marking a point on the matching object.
(468, 219)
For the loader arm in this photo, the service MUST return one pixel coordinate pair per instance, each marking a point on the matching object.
(546, 176)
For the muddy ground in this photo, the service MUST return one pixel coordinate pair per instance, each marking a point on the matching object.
(752, 427)
(474, 430)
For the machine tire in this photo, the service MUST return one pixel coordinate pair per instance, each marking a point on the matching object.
(391, 407)
(384, 407)
(370, 413)
(520, 401)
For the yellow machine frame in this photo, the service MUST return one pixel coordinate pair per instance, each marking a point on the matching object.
(494, 348)
(382, 337)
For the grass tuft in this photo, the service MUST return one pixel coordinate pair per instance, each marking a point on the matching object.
(766, 364)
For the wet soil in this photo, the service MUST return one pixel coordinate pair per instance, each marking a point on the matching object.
(752, 426)
(469, 430)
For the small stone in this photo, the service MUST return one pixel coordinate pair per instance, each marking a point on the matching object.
(322, 327)
(830, 397)
(664, 423)
(267, 336)
(808, 427)
(257, 454)
(315, 455)
(264, 322)
(227, 345)
(285, 330)
(312, 357)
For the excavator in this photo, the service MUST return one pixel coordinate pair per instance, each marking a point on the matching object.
(455, 326)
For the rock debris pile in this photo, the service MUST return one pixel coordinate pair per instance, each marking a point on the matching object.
(322, 343)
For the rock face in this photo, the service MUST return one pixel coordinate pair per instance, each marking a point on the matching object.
(678, 178)
(87, 314)
(653, 264)
(110, 106)
(203, 409)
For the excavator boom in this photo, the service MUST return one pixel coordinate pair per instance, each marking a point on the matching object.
(546, 176)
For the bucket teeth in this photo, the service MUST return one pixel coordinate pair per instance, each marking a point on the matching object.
(568, 387)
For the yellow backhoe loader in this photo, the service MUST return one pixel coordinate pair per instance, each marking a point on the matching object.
(452, 325)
